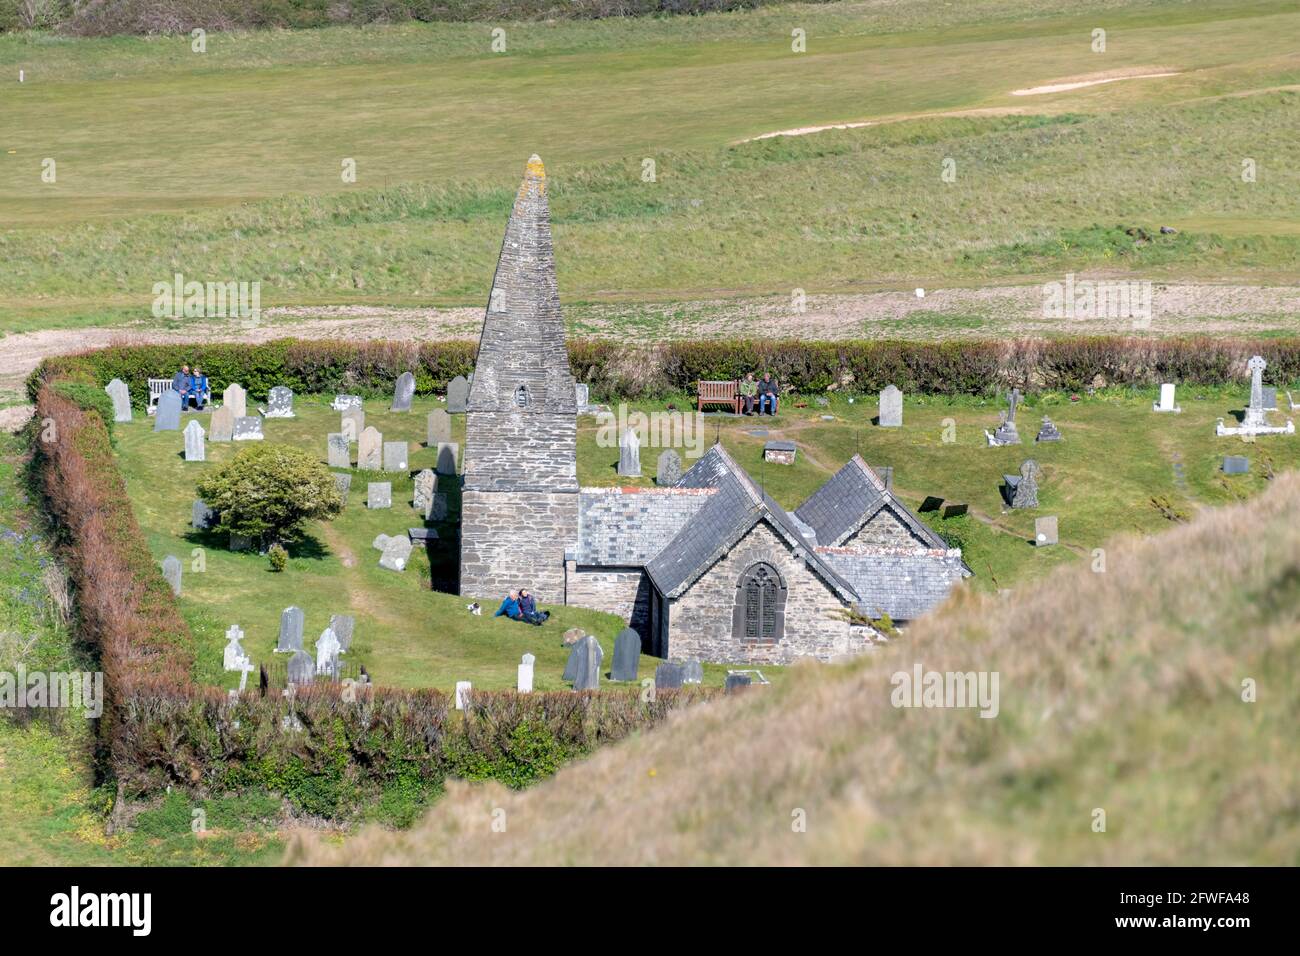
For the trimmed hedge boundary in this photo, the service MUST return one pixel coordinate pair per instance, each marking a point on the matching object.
(348, 747)
(625, 371)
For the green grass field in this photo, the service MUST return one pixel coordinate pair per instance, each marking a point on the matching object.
(1113, 473)
(226, 164)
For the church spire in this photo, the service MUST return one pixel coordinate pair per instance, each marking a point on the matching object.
(523, 363)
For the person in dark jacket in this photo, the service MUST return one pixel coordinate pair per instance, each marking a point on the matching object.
(528, 608)
(767, 392)
(510, 607)
(181, 384)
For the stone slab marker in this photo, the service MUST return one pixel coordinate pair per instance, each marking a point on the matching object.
(370, 449)
(248, 428)
(379, 494)
(438, 428)
(669, 676)
(234, 658)
(590, 657)
(194, 449)
(448, 452)
(1167, 401)
(627, 655)
(343, 482)
(343, 625)
(426, 484)
(279, 403)
(121, 397)
(396, 554)
(222, 425)
(736, 682)
(668, 469)
(629, 455)
(463, 688)
(1045, 531)
(891, 407)
(167, 417)
(301, 669)
(438, 510)
(524, 680)
(291, 622)
(338, 450)
(171, 569)
(201, 516)
(395, 456)
(692, 672)
(403, 392)
(235, 399)
(457, 395)
(352, 423)
(327, 653)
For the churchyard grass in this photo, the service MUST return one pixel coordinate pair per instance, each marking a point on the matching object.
(1036, 194)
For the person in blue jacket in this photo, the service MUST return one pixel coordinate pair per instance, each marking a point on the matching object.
(198, 387)
(510, 607)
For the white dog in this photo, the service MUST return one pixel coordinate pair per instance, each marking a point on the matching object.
(474, 609)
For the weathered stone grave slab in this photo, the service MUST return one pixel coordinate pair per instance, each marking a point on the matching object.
(1045, 531)
(395, 454)
(221, 427)
(370, 449)
(121, 396)
(201, 516)
(448, 452)
(279, 403)
(195, 450)
(668, 469)
(629, 454)
(171, 569)
(338, 451)
(627, 655)
(167, 416)
(437, 428)
(457, 395)
(403, 392)
(248, 428)
(890, 413)
(379, 494)
(291, 624)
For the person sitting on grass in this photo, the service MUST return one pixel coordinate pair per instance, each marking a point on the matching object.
(528, 608)
(181, 384)
(748, 390)
(510, 607)
(767, 392)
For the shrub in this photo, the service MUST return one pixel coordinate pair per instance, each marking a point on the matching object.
(268, 491)
(277, 556)
(89, 398)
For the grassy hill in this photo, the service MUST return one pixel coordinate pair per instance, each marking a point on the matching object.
(1120, 691)
(227, 164)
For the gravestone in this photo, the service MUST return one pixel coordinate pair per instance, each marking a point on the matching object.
(572, 636)
(1235, 465)
(121, 397)
(426, 484)
(1166, 403)
(397, 552)
(171, 569)
(352, 423)
(1256, 419)
(201, 516)
(343, 484)
(954, 511)
(463, 688)
(338, 451)
(1048, 432)
(1022, 491)
(587, 668)
(779, 451)
(248, 428)
(669, 676)
(1006, 433)
(457, 395)
(403, 392)
(279, 403)
(395, 456)
(736, 682)
(343, 625)
(235, 399)
(342, 403)
(438, 510)
(581, 395)
(301, 669)
(379, 494)
(194, 449)
(381, 541)
(167, 416)
(629, 455)
(891, 407)
(668, 469)
(524, 680)
(370, 448)
(327, 653)
(437, 428)
(931, 503)
(448, 452)
(1270, 399)
(234, 658)
(422, 535)
(1045, 531)
(222, 425)
(291, 622)
(627, 655)
(692, 672)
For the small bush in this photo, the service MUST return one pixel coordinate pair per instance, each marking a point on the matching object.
(267, 492)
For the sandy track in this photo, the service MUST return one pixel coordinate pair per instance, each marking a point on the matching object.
(1094, 79)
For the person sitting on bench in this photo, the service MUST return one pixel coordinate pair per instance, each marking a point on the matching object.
(181, 384)
(767, 394)
(510, 607)
(198, 388)
(748, 391)
(528, 608)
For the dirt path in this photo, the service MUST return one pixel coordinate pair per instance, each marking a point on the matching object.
(1095, 79)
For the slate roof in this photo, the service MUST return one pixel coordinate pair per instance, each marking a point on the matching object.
(849, 498)
(626, 527)
(736, 505)
(902, 583)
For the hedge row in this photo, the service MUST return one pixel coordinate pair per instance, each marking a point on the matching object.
(626, 371)
(394, 746)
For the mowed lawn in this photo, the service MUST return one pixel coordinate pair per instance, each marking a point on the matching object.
(1114, 473)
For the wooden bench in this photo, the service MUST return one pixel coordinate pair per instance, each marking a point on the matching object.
(718, 393)
(159, 385)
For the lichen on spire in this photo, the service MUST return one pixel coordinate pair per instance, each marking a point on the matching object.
(534, 178)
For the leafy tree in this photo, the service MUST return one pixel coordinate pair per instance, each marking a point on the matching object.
(268, 491)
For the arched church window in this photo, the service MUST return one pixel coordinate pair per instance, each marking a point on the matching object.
(760, 605)
(521, 396)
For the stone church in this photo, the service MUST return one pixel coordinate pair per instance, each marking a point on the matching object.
(710, 568)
